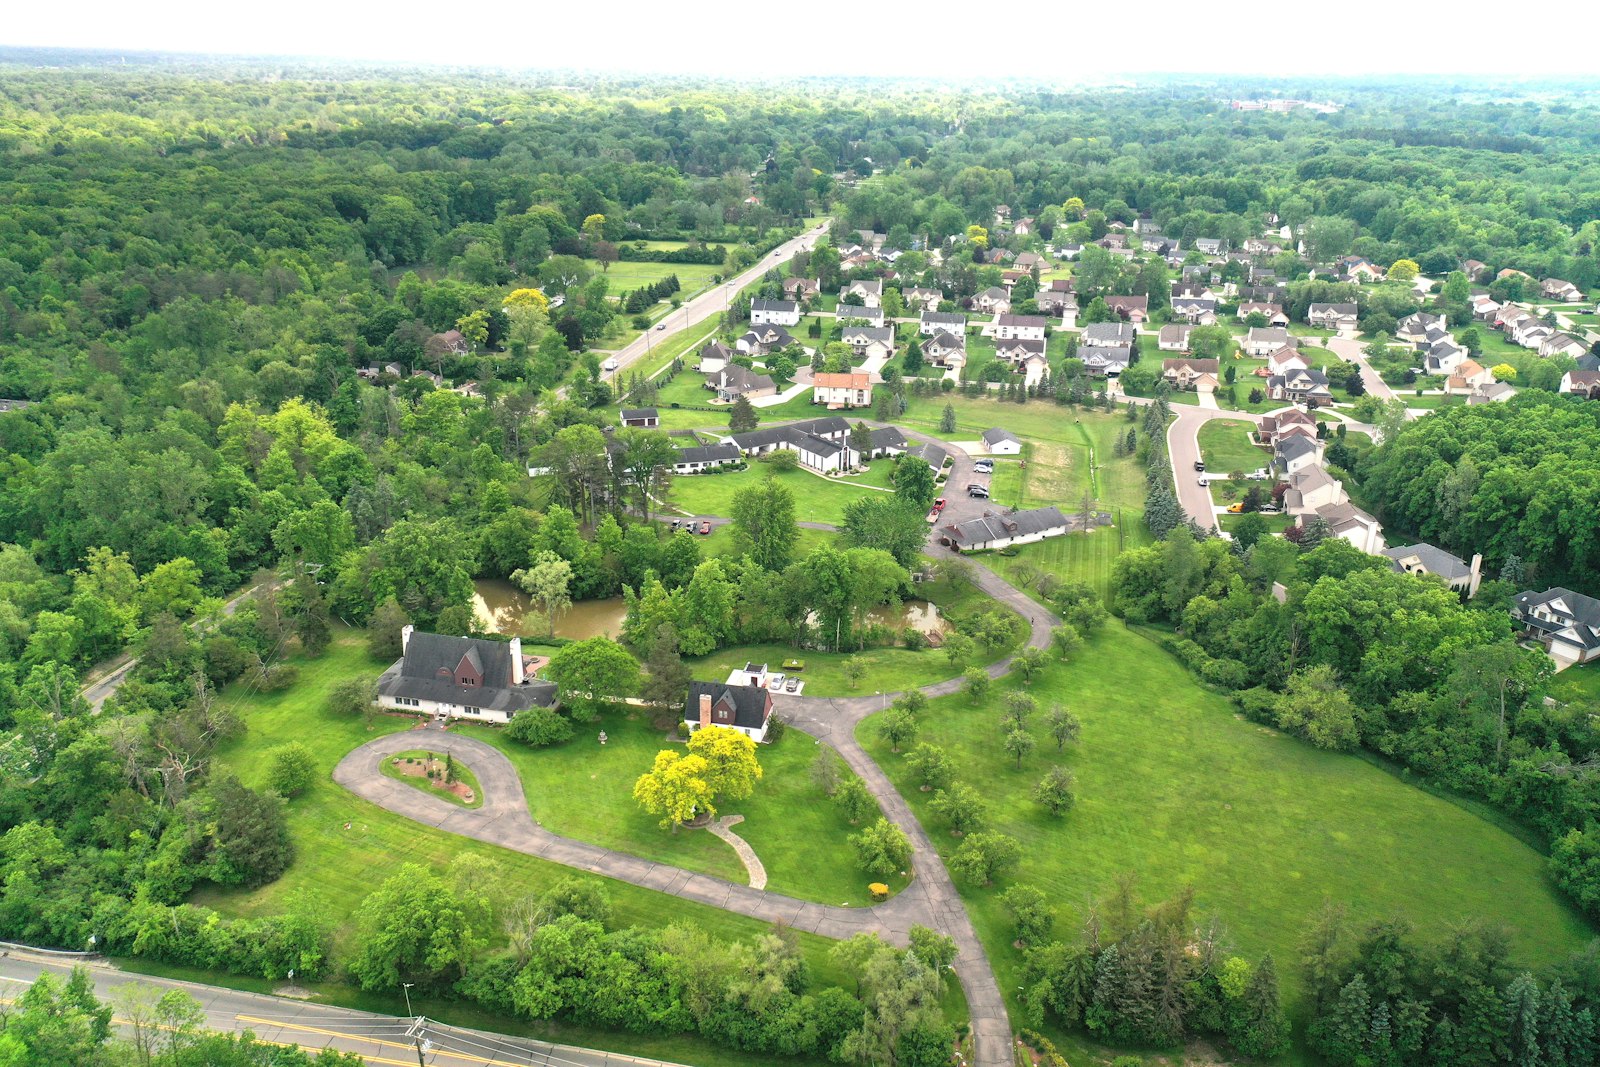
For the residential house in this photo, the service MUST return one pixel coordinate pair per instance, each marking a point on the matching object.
(370, 372)
(1566, 623)
(1484, 307)
(923, 299)
(1109, 335)
(992, 301)
(1261, 246)
(1312, 487)
(1023, 226)
(1272, 312)
(869, 291)
(869, 342)
(931, 454)
(1070, 251)
(1301, 386)
(1001, 442)
(1444, 358)
(1055, 295)
(1425, 559)
(1134, 309)
(1333, 316)
(1210, 246)
(872, 316)
(1291, 422)
(1294, 454)
(1267, 294)
(1562, 344)
(1351, 523)
(1190, 373)
(1102, 361)
(1114, 242)
(698, 459)
(1414, 329)
(733, 381)
(1174, 337)
(945, 349)
(1020, 350)
(1493, 393)
(801, 288)
(765, 312)
(1029, 261)
(1474, 269)
(1359, 268)
(462, 678)
(714, 356)
(842, 390)
(646, 417)
(1556, 289)
(1585, 383)
(1467, 378)
(1146, 224)
(1018, 327)
(764, 340)
(449, 343)
(1261, 340)
(1195, 310)
(1001, 531)
(933, 322)
(1192, 288)
(745, 708)
(1283, 361)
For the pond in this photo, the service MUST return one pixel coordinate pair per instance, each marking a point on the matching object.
(914, 614)
(502, 608)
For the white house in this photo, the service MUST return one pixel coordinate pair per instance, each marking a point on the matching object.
(1261, 340)
(698, 459)
(1556, 289)
(950, 322)
(1295, 453)
(1174, 337)
(1563, 344)
(1566, 623)
(1299, 386)
(945, 350)
(872, 316)
(821, 444)
(1351, 523)
(1581, 383)
(869, 342)
(1311, 488)
(1104, 362)
(1109, 335)
(1332, 316)
(462, 678)
(870, 292)
(1017, 327)
(774, 312)
(1002, 442)
(923, 299)
(1001, 531)
(842, 390)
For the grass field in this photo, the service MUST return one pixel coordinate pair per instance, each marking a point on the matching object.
(1225, 446)
(1177, 788)
(1077, 557)
(1275, 523)
(818, 499)
(624, 276)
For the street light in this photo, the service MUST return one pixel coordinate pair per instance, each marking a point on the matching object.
(406, 988)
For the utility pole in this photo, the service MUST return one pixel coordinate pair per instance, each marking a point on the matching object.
(422, 1046)
(406, 988)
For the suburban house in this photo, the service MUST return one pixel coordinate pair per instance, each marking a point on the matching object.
(1291, 422)
(1267, 294)
(1020, 327)
(872, 316)
(1027, 261)
(1000, 531)
(1191, 288)
(993, 301)
(1566, 623)
(1299, 386)
(868, 342)
(761, 340)
(1468, 377)
(1294, 454)
(1351, 523)
(1484, 307)
(715, 356)
(1002, 442)
(1556, 289)
(1414, 329)
(1200, 374)
(1493, 393)
(1210, 246)
(1444, 357)
(1114, 242)
(842, 390)
(1055, 295)
(1333, 316)
(1359, 268)
(933, 322)
(1311, 488)
(1174, 337)
(1070, 251)
(1423, 558)
(1020, 351)
(1263, 339)
(1581, 383)
(1284, 360)
(1103, 361)
(931, 454)
(1196, 310)
(1109, 335)
(801, 288)
(369, 372)
(765, 312)
(437, 380)
(1562, 344)
(697, 459)
(923, 299)
(945, 349)
(1134, 309)
(1473, 269)
(733, 381)
(746, 708)
(462, 678)
(646, 417)
(1512, 272)
(870, 292)
(449, 343)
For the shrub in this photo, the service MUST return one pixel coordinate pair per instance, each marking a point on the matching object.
(879, 891)
(539, 727)
(291, 770)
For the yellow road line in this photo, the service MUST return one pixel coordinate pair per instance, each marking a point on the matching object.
(437, 1052)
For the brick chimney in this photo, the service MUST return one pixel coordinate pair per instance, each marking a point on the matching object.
(705, 709)
(405, 637)
(515, 649)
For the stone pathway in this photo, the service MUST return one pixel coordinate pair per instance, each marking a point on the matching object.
(753, 869)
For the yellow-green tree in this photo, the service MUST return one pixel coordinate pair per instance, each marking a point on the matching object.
(521, 298)
(1073, 208)
(1404, 270)
(676, 788)
(1503, 372)
(730, 757)
(594, 228)
(474, 326)
(978, 235)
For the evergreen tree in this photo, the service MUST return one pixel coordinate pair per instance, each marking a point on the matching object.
(947, 419)
(1162, 514)
(1257, 1026)
(1522, 1021)
(1342, 1033)
(742, 418)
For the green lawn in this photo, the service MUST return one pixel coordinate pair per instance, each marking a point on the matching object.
(1275, 523)
(1076, 557)
(392, 768)
(1225, 446)
(1430, 401)
(818, 499)
(624, 276)
(1177, 788)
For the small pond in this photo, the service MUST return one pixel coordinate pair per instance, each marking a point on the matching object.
(502, 608)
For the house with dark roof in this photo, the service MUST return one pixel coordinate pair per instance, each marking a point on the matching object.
(1300, 386)
(1103, 361)
(1295, 453)
(1195, 310)
(1259, 340)
(1351, 523)
(1174, 337)
(1585, 383)
(1565, 623)
(923, 299)
(1556, 289)
(945, 349)
(1109, 335)
(1210, 246)
(886, 441)
(993, 300)
(1001, 531)
(1018, 327)
(871, 316)
(1425, 559)
(1271, 312)
(462, 678)
(765, 312)
(800, 288)
(764, 340)
(646, 417)
(733, 381)
(821, 444)
(746, 708)
(933, 322)
(700, 459)
(1019, 351)
(931, 454)
(869, 342)
(1414, 328)
(714, 356)
(1000, 442)
(1333, 316)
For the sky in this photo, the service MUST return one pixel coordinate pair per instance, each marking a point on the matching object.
(1064, 41)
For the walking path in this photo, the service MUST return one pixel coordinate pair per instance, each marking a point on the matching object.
(753, 868)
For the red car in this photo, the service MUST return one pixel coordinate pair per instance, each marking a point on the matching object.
(705, 526)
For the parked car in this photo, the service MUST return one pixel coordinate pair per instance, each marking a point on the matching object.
(939, 503)
(1204, 481)
(1269, 510)
(978, 491)
(1234, 509)
(983, 466)
(1258, 475)
(675, 524)
(1199, 464)
(705, 526)
(791, 685)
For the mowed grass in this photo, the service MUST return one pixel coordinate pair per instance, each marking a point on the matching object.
(817, 499)
(624, 276)
(1178, 789)
(1076, 557)
(397, 765)
(1225, 446)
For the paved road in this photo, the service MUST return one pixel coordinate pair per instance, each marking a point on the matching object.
(1348, 348)
(387, 1040)
(1183, 446)
(714, 300)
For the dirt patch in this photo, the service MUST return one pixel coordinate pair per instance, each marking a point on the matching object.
(434, 771)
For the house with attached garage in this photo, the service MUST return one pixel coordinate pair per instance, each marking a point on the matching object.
(1017, 327)
(924, 299)
(933, 322)
(699, 459)
(1019, 351)
(870, 292)
(1300, 386)
(1191, 289)
(1283, 361)
(842, 390)
(1174, 337)
(733, 381)
(945, 350)
(1351, 523)
(463, 678)
(1484, 307)
(648, 418)
(746, 708)
(1109, 335)
(1585, 383)
(1000, 442)
(1468, 377)
(1291, 422)
(765, 312)
(1493, 393)
(1425, 559)
(1444, 357)
(715, 356)
(1269, 311)
(1133, 309)
(1414, 329)
(1333, 316)
(1261, 340)
(1210, 246)
(1055, 294)
(1028, 261)
(1564, 622)
(869, 342)
(931, 454)
(801, 288)
(857, 313)
(1311, 488)
(992, 301)
(1105, 362)
(1196, 310)
(1562, 344)
(1294, 454)
(1200, 374)
(1002, 531)
(1556, 289)
(764, 340)
(886, 441)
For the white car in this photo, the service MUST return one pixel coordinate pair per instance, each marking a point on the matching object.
(1204, 481)
(1258, 475)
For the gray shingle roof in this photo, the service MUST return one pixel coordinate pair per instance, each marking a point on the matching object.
(1001, 527)
(1434, 560)
(748, 701)
(418, 675)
